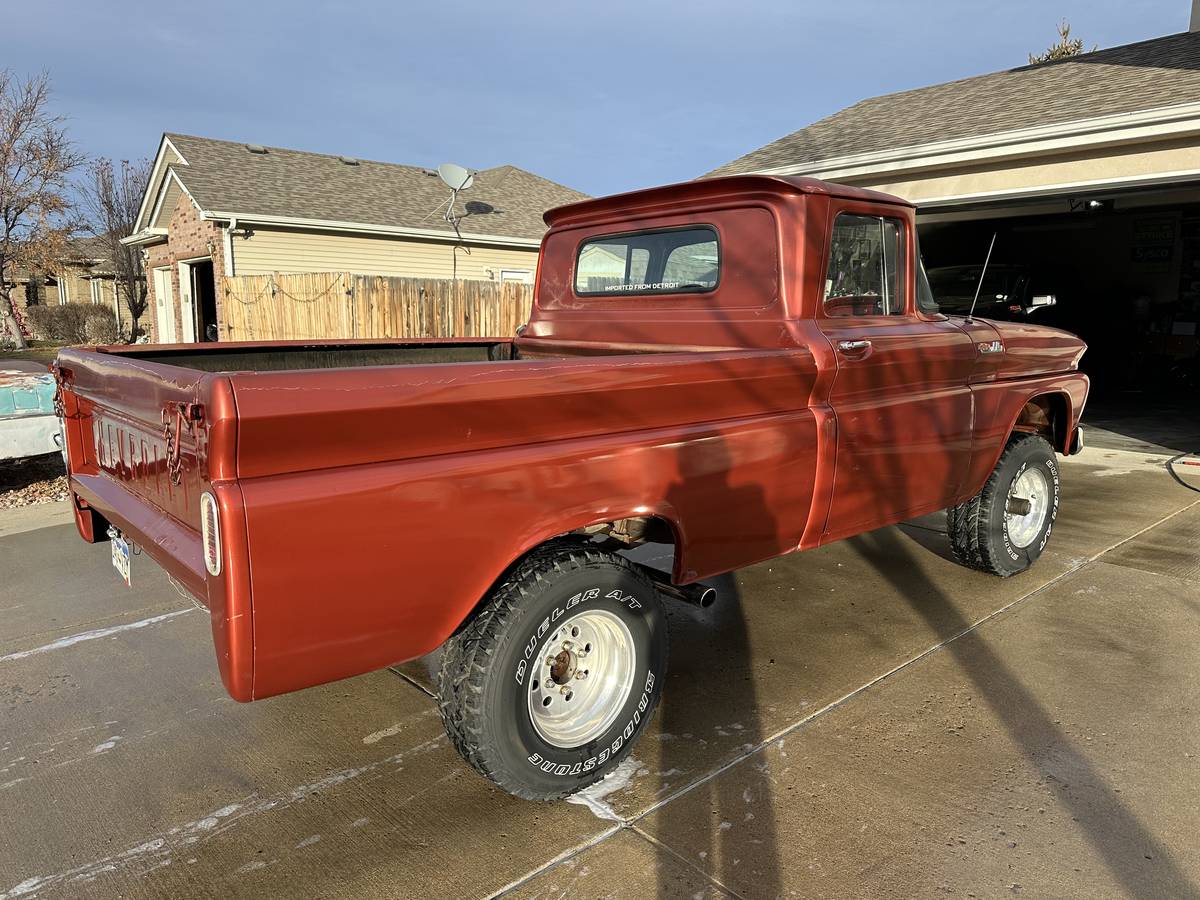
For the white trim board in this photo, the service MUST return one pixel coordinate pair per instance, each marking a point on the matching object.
(155, 171)
(366, 228)
(1163, 123)
(1069, 187)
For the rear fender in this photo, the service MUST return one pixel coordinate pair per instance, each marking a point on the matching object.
(359, 567)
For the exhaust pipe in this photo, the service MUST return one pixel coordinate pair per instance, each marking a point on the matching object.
(700, 595)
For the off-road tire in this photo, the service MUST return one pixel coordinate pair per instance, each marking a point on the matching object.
(978, 528)
(487, 668)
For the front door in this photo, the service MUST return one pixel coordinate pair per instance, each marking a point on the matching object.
(164, 306)
(900, 395)
(187, 307)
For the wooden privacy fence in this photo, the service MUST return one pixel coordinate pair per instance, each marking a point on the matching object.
(345, 305)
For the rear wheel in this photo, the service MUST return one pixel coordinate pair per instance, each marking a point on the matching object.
(1004, 528)
(548, 687)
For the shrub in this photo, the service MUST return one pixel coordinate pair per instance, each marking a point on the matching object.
(40, 319)
(68, 323)
(100, 325)
(74, 323)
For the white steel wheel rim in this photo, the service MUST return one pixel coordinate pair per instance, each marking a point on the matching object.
(582, 678)
(1031, 487)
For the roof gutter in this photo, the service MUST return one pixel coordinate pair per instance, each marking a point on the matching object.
(1162, 123)
(144, 237)
(243, 219)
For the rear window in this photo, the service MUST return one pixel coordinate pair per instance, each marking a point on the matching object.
(668, 261)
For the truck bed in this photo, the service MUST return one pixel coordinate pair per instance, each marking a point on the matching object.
(365, 507)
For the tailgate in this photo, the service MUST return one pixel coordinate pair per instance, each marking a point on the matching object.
(144, 442)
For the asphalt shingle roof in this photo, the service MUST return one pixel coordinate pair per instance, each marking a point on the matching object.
(1160, 72)
(224, 176)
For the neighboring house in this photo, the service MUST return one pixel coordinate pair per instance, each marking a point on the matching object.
(84, 274)
(219, 208)
(1086, 168)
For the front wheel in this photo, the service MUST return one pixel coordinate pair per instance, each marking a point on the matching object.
(1004, 528)
(548, 687)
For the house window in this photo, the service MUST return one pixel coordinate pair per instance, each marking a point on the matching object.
(97, 287)
(524, 276)
(670, 261)
(865, 275)
(64, 294)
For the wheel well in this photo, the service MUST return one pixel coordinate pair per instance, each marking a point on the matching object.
(623, 533)
(1047, 415)
(634, 530)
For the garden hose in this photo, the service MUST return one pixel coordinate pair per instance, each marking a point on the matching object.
(1180, 460)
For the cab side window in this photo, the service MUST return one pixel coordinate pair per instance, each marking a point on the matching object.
(866, 267)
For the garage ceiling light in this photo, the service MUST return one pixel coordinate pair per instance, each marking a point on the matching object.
(1089, 205)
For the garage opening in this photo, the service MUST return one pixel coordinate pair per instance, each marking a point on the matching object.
(1121, 270)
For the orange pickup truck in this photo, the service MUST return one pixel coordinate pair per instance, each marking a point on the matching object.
(739, 368)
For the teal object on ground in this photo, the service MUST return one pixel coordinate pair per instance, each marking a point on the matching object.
(26, 395)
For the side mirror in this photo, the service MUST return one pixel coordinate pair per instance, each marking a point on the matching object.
(1043, 300)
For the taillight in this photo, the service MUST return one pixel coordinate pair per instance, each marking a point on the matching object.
(210, 533)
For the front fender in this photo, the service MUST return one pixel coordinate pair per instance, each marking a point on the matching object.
(998, 405)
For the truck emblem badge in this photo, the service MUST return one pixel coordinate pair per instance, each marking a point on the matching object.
(990, 347)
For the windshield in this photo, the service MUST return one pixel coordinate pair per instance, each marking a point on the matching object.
(954, 288)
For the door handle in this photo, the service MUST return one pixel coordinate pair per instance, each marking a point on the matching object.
(853, 346)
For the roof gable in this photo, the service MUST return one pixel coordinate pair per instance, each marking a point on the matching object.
(1131, 78)
(225, 178)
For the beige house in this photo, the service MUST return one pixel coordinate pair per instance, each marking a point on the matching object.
(83, 275)
(1086, 169)
(219, 208)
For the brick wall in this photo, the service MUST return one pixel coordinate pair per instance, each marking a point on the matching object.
(188, 237)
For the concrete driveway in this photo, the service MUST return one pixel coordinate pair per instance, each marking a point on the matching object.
(864, 720)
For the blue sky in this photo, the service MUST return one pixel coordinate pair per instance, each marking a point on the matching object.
(602, 97)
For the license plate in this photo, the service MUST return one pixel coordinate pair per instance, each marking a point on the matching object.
(120, 556)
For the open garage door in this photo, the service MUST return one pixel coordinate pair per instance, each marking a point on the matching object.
(1120, 269)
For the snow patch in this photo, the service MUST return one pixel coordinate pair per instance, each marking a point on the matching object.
(376, 736)
(594, 797)
(106, 745)
(93, 635)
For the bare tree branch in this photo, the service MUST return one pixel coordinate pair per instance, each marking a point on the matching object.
(36, 160)
(112, 199)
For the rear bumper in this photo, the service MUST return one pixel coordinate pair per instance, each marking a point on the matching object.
(177, 548)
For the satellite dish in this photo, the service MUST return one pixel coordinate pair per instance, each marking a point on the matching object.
(456, 177)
